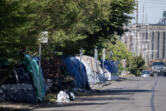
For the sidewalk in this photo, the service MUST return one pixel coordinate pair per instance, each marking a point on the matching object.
(81, 99)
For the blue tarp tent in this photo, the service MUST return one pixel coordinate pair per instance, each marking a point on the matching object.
(78, 71)
(111, 66)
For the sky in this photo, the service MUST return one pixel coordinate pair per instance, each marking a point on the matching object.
(153, 10)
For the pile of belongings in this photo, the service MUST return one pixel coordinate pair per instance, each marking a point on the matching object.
(25, 84)
(56, 74)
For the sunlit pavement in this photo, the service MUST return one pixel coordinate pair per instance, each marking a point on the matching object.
(132, 94)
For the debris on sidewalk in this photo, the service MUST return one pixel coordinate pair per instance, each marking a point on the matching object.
(63, 97)
(71, 96)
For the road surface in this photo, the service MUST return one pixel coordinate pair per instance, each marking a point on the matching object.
(133, 94)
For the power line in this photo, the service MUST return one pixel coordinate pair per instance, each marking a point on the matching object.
(137, 12)
(155, 6)
(155, 2)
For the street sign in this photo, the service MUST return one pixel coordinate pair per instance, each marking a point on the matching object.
(43, 37)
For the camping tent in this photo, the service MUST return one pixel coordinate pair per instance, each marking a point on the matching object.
(111, 66)
(95, 67)
(38, 80)
(25, 83)
(78, 71)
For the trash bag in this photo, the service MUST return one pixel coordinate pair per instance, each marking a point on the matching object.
(62, 97)
(71, 96)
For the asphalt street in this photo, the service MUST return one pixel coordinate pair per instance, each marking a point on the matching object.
(132, 94)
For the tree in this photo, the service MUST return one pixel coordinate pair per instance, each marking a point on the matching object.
(18, 31)
(137, 65)
(119, 51)
(72, 24)
(115, 20)
(85, 23)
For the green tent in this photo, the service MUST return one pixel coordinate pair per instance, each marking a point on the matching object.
(32, 66)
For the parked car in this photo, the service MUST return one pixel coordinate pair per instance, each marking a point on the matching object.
(158, 68)
(145, 73)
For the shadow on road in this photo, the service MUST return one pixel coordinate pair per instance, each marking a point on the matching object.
(117, 92)
(102, 98)
(12, 109)
(97, 97)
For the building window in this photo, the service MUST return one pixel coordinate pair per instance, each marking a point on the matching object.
(146, 35)
(152, 44)
(158, 45)
(163, 45)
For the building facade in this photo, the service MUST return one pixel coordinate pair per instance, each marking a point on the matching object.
(147, 40)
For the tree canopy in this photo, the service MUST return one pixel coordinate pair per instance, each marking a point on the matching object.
(71, 24)
(18, 31)
(82, 23)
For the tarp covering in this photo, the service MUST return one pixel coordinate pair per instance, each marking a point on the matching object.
(25, 83)
(78, 71)
(107, 74)
(32, 66)
(43, 82)
(112, 68)
(89, 72)
(97, 74)
(18, 87)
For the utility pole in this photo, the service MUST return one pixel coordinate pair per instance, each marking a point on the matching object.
(143, 15)
(137, 12)
(136, 26)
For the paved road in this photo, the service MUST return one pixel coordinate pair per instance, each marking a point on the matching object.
(133, 94)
